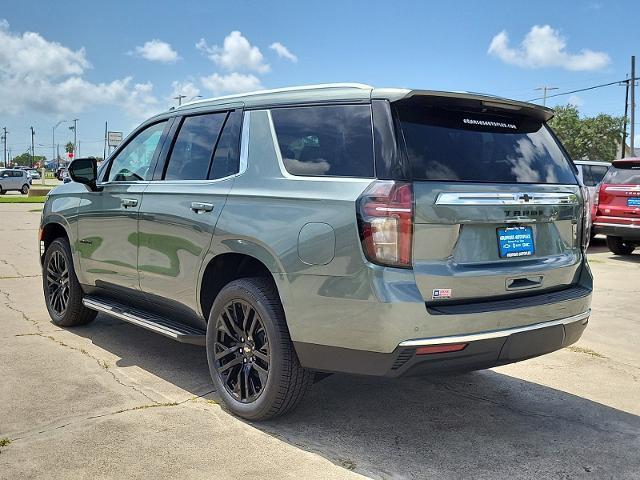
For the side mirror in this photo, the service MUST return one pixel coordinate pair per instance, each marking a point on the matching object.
(85, 171)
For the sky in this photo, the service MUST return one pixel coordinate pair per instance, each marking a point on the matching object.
(123, 61)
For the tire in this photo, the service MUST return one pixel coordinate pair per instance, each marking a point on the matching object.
(57, 260)
(2, 192)
(266, 394)
(619, 247)
(25, 189)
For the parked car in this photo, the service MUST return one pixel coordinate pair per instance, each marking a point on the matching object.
(33, 173)
(14, 179)
(618, 206)
(591, 173)
(60, 173)
(335, 228)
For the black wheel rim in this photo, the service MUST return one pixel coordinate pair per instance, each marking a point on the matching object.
(58, 283)
(241, 352)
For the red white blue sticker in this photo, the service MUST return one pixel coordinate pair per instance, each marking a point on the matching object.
(439, 293)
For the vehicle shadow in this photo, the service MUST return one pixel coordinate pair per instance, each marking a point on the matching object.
(477, 425)
(599, 245)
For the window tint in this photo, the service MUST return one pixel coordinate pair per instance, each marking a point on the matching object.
(597, 173)
(191, 154)
(133, 162)
(226, 160)
(472, 146)
(623, 176)
(328, 140)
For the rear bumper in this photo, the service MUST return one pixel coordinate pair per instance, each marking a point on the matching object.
(628, 231)
(483, 350)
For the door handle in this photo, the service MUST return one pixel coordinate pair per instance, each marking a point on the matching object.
(129, 202)
(200, 207)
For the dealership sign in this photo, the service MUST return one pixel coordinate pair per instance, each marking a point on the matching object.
(114, 138)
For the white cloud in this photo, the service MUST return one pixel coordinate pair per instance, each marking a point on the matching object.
(186, 88)
(40, 76)
(157, 51)
(542, 47)
(235, 54)
(575, 100)
(27, 53)
(231, 83)
(283, 52)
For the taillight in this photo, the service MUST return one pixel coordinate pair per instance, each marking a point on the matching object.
(385, 220)
(586, 218)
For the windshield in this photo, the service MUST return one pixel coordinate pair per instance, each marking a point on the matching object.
(474, 146)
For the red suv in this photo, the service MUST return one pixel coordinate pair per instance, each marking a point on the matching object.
(617, 212)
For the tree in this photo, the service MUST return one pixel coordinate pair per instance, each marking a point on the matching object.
(24, 159)
(68, 147)
(587, 138)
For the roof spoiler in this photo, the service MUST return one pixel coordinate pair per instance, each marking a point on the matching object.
(479, 100)
(633, 162)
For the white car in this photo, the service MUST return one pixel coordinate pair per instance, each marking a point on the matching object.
(14, 179)
(34, 173)
(591, 173)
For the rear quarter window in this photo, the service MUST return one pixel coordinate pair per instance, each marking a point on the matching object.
(473, 146)
(334, 140)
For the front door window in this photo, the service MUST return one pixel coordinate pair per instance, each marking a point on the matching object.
(133, 162)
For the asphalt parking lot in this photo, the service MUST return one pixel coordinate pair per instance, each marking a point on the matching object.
(110, 400)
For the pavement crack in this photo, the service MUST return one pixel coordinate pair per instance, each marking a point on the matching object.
(144, 406)
(102, 363)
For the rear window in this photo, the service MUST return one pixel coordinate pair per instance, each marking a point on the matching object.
(622, 176)
(472, 146)
(325, 140)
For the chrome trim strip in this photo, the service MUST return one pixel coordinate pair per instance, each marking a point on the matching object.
(629, 188)
(473, 337)
(622, 225)
(244, 142)
(504, 198)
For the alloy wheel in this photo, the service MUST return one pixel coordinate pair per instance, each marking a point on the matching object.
(58, 283)
(241, 351)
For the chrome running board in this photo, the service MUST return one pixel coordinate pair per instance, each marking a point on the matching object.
(155, 323)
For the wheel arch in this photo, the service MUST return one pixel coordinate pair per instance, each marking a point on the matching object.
(49, 232)
(226, 267)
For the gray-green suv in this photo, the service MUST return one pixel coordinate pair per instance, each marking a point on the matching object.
(332, 228)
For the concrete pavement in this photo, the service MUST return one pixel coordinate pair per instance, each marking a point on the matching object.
(110, 400)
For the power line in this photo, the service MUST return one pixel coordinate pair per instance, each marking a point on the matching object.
(584, 89)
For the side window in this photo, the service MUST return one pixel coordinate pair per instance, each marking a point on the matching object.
(193, 149)
(133, 162)
(226, 160)
(586, 176)
(598, 172)
(326, 140)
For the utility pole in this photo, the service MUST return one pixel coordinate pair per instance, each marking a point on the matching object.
(75, 136)
(179, 98)
(624, 121)
(53, 143)
(633, 106)
(4, 141)
(545, 89)
(104, 151)
(33, 150)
